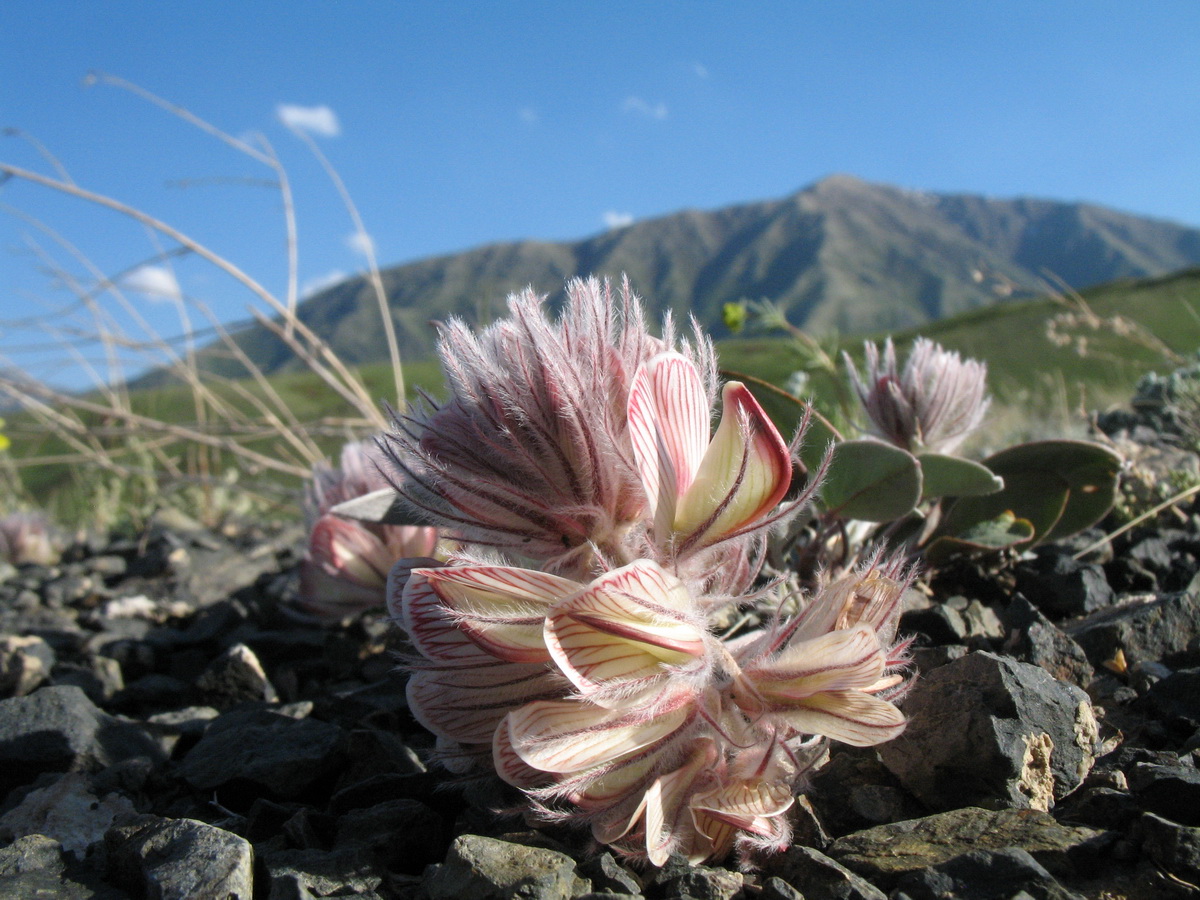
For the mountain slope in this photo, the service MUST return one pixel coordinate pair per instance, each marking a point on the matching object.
(840, 254)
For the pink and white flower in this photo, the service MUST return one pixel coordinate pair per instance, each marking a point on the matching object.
(346, 566)
(933, 405)
(579, 659)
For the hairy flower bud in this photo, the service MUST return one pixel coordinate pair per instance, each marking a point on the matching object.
(933, 405)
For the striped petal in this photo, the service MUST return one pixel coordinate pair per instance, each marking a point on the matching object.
(466, 703)
(669, 427)
(626, 627)
(501, 608)
(745, 805)
(664, 827)
(429, 624)
(852, 717)
(564, 736)
(744, 474)
(351, 552)
(509, 766)
(841, 660)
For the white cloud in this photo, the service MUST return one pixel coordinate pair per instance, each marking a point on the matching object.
(614, 219)
(153, 283)
(360, 242)
(640, 107)
(700, 69)
(529, 115)
(318, 284)
(319, 120)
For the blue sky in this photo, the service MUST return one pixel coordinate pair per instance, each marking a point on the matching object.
(456, 123)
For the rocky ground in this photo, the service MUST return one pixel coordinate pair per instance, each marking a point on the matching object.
(171, 729)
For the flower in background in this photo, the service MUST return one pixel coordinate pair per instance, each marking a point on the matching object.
(26, 538)
(933, 405)
(345, 568)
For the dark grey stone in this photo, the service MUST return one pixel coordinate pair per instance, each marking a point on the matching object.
(483, 868)
(609, 876)
(884, 853)
(990, 731)
(775, 888)
(283, 755)
(985, 875)
(818, 877)
(99, 677)
(1062, 586)
(405, 834)
(1034, 639)
(705, 883)
(855, 791)
(1178, 694)
(25, 662)
(236, 676)
(1100, 807)
(58, 729)
(1173, 846)
(1171, 791)
(1150, 628)
(33, 866)
(180, 859)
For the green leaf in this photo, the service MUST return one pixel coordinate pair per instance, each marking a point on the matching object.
(871, 481)
(1061, 487)
(953, 476)
(1006, 530)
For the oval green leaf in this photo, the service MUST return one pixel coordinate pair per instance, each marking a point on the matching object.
(1061, 487)
(1006, 530)
(953, 476)
(871, 481)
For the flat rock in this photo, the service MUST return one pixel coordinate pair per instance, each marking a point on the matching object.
(1173, 846)
(818, 877)
(33, 866)
(236, 676)
(884, 853)
(58, 729)
(1150, 628)
(180, 859)
(985, 875)
(1061, 586)
(1171, 791)
(989, 731)
(281, 754)
(405, 834)
(1034, 639)
(25, 662)
(350, 871)
(68, 811)
(483, 868)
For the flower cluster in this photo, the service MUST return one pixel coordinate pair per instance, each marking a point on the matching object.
(934, 404)
(26, 538)
(345, 568)
(605, 526)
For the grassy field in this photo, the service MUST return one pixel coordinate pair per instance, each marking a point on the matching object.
(1114, 335)
(1109, 338)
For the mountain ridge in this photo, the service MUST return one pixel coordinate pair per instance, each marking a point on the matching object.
(839, 254)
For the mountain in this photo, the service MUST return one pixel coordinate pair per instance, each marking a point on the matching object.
(840, 254)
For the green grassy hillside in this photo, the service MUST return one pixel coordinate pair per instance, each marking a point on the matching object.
(1033, 380)
(1102, 360)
